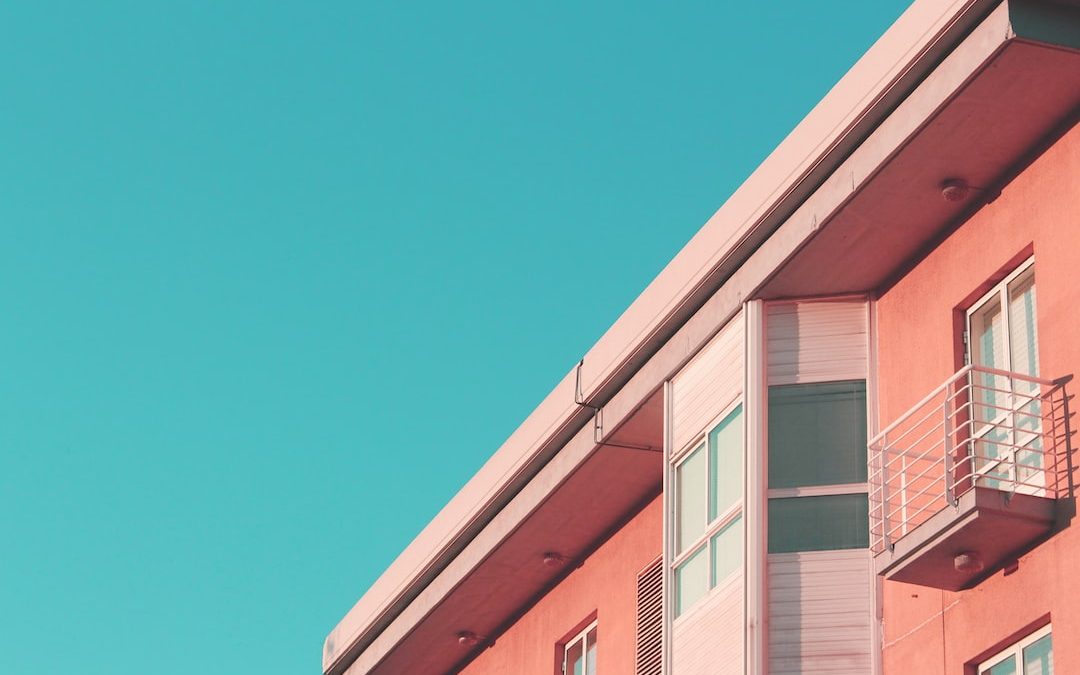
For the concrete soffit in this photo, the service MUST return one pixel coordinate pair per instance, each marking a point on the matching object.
(912, 71)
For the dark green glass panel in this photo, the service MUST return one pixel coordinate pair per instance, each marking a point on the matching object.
(818, 523)
(817, 434)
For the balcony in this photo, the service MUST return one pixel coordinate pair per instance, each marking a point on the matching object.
(969, 478)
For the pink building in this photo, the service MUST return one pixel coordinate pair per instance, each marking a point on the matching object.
(832, 436)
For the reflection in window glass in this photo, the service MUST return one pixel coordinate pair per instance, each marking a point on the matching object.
(708, 528)
(1031, 656)
(1006, 667)
(819, 523)
(727, 550)
(988, 350)
(575, 659)
(580, 653)
(817, 434)
(691, 493)
(691, 580)
(590, 653)
(1003, 336)
(1023, 346)
(726, 464)
(987, 335)
(1038, 658)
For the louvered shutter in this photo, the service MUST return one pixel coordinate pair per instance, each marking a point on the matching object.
(650, 619)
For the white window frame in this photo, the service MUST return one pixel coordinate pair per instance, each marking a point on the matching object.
(581, 637)
(723, 518)
(1004, 420)
(1016, 651)
(1000, 289)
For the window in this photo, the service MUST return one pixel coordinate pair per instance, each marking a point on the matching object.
(1001, 335)
(817, 467)
(1030, 656)
(579, 654)
(708, 479)
(1001, 326)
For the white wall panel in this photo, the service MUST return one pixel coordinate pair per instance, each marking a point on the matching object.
(816, 341)
(820, 613)
(706, 385)
(708, 640)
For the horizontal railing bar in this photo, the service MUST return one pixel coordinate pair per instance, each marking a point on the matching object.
(952, 379)
(923, 491)
(911, 456)
(912, 479)
(909, 522)
(926, 399)
(951, 427)
(933, 430)
(929, 415)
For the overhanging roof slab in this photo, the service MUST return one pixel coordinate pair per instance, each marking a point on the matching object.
(765, 224)
(833, 127)
(978, 135)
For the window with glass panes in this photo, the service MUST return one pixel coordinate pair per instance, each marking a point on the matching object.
(1002, 335)
(817, 467)
(1031, 656)
(708, 532)
(579, 654)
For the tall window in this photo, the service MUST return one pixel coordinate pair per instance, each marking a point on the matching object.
(1002, 336)
(708, 510)
(1001, 325)
(1030, 656)
(579, 655)
(817, 467)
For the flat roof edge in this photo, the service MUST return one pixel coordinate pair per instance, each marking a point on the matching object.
(851, 109)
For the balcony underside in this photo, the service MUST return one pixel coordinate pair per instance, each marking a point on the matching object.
(993, 525)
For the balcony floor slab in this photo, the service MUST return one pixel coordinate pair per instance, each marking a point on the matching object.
(993, 524)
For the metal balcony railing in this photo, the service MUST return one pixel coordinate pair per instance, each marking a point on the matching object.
(980, 428)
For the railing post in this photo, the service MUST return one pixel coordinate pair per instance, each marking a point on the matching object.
(885, 492)
(1066, 434)
(946, 447)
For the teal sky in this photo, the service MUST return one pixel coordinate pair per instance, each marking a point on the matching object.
(277, 278)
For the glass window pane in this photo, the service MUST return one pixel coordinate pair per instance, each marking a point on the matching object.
(726, 464)
(727, 550)
(817, 434)
(691, 581)
(818, 523)
(1038, 659)
(987, 341)
(691, 490)
(575, 659)
(1004, 667)
(988, 350)
(1022, 335)
(590, 653)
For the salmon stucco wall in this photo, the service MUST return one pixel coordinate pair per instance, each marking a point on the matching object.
(605, 585)
(919, 322)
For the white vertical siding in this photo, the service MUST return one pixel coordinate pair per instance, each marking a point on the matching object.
(706, 385)
(820, 613)
(816, 341)
(708, 640)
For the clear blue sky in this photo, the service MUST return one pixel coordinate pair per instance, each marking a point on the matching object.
(277, 277)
